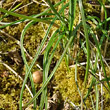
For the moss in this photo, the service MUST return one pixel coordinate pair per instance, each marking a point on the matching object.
(9, 91)
(33, 38)
(65, 83)
(64, 79)
(89, 9)
(6, 101)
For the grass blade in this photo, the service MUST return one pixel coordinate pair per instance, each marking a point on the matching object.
(102, 64)
(38, 15)
(28, 17)
(97, 97)
(87, 40)
(46, 70)
(72, 9)
(25, 62)
(54, 10)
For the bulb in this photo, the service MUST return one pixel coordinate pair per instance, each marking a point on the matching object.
(37, 77)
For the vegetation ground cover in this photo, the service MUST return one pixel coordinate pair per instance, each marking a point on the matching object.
(67, 41)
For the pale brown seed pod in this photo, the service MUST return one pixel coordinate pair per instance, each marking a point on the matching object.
(37, 77)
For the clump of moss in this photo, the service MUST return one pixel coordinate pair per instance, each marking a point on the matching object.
(65, 83)
(7, 102)
(15, 31)
(9, 91)
(33, 38)
(89, 9)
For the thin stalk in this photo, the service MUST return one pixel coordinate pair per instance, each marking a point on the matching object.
(46, 70)
(87, 40)
(102, 64)
(72, 9)
(28, 17)
(54, 10)
(11, 10)
(97, 96)
(92, 102)
(24, 59)
(38, 15)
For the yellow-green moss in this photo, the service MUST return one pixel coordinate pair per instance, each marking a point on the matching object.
(65, 83)
(64, 79)
(9, 91)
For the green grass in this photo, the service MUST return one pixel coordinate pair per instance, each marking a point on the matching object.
(65, 34)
